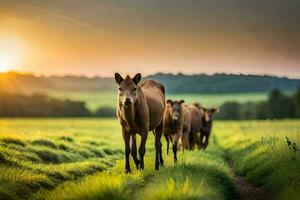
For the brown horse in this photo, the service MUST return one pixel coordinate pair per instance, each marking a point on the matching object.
(140, 110)
(196, 124)
(177, 123)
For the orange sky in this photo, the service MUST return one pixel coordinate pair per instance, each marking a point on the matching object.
(102, 37)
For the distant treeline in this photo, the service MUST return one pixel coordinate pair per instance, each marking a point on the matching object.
(12, 105)
(223, 83)
(278, 106)
(175, 84)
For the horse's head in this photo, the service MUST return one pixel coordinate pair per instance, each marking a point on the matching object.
(127, 89)
(209, 112)
(175, 108)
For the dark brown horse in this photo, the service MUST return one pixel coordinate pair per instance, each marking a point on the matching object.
(207, 122)
(177, 123)
(140, 110)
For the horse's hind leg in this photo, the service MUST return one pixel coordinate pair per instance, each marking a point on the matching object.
(158, 155)
(161, 160)
(185, 140)
(168, 143)
(192, 138)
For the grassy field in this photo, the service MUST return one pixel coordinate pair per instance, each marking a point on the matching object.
(83, 159)
(95, 100)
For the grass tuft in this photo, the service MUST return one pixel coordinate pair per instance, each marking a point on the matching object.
(66, 138)
(44, 142)
(2, 157)
(14, 141)
(48, 156)
(63, 147)
(108, 151)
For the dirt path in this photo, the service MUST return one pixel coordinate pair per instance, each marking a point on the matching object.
(247, 190)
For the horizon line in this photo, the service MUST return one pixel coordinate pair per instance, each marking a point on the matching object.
(40, 75)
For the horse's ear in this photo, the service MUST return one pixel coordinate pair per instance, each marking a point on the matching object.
(118, 78)
(181, 101)
(215, 110)
(169, 101)
(137, 78)
(197, 105)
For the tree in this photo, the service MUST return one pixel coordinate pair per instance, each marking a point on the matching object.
(280, 106)
(297, 102)
(248, 110)
(261, 110)
(105, 112)
(229, 110)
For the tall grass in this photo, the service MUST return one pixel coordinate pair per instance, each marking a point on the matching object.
(262, 155)
(83, 159)
(198, 175)
(41, 154)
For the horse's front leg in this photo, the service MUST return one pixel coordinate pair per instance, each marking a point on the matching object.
(201, 143)
(133, 150)
(206, 141)
(175, 145)
(142, 149)
(126, 138)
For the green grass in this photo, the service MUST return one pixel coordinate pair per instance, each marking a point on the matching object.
(42, 153)
(261, 154)
(192, 178)
(99, 99)
(83, 159)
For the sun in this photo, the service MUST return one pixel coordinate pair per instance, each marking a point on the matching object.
(11, 53)
(6, 63)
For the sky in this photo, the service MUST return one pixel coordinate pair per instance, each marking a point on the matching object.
(100, 37)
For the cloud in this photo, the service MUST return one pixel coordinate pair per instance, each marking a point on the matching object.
(63, 17)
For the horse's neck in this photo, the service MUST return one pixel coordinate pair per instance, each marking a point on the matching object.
(129, 116)
(207, 126)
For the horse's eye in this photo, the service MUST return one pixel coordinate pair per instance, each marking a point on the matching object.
(120, 89)
(134, 89)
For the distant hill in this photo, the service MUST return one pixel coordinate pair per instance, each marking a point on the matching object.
(224, 83)
(28, 83)
(180, 83)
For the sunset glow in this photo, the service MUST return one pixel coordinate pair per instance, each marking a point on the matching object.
(11, 53)
(102, 37)
(6, 63)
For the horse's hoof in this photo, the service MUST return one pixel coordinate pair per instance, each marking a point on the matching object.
(141, 166)
(127, 171)
(137, 164)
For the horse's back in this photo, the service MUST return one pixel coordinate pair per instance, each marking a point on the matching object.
(196, 121)
(155, 96)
